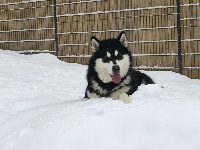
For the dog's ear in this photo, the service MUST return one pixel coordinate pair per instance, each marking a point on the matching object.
(123, 39)
(94, 44)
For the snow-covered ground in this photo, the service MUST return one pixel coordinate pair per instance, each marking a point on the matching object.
(40, 109)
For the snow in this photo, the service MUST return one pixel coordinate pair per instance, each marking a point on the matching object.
(41, 108)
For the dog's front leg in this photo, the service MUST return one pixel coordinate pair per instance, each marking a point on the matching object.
(125, 98)
(121, 96)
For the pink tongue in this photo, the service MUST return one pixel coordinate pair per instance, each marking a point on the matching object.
(116, 78)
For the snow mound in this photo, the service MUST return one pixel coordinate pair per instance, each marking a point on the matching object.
(41, 108)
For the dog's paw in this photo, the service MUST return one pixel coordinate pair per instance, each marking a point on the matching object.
(125, 98)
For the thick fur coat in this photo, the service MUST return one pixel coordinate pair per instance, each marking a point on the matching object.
(110, 72)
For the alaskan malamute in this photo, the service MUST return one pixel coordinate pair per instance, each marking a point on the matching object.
(110, 72)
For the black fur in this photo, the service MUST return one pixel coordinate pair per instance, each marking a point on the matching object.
(136, 77)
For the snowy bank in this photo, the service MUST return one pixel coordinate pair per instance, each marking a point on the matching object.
(40, 108)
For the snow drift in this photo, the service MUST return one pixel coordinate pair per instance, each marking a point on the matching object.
(40, 108)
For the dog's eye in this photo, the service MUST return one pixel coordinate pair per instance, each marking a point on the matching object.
(119, 56)
(106, 59)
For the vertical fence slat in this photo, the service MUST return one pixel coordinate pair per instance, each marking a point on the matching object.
(56, 27)
(179, 36)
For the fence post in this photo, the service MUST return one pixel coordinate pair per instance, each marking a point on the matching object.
(179, 36)
(56, 27)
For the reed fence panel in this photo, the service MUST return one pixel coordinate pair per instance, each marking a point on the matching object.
(151, 27)
(27, 26)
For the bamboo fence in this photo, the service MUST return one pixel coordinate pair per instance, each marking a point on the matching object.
(151, 27)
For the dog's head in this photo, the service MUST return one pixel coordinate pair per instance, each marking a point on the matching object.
(112, 58)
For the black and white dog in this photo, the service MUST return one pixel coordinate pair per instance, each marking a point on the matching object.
(110, 72)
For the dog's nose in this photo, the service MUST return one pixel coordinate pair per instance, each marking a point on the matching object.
(115, 69)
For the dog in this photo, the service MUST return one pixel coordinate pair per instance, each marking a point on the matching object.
(110, 72)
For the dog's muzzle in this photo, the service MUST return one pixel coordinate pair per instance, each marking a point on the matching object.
(116, 74)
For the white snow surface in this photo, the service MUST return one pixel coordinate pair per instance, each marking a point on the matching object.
(41, 109)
